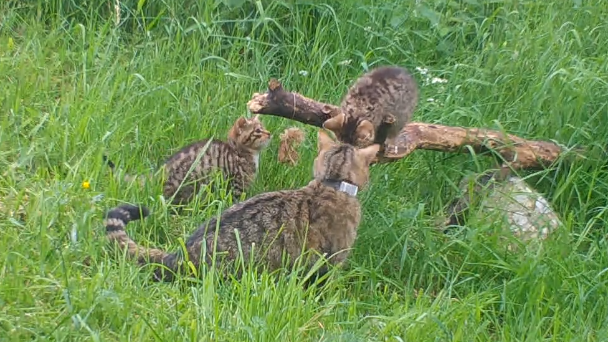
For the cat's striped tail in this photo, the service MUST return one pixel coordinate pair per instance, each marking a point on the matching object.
(127, 177)
(117, 219)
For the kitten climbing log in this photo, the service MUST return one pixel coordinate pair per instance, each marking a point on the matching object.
(521, 153)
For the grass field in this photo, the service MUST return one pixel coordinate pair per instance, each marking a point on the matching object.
(75, 84)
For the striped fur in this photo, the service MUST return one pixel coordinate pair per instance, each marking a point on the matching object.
(317, 217)
(237, 159)
(117, 219)
(376, 108)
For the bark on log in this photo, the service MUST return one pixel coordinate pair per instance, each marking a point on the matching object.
(519, 153)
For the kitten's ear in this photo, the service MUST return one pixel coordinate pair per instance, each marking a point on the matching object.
(324, 140)
(369, 153)
(365, 130)
(241, 122)
(256, 118)
(335, 123)
(237, 128)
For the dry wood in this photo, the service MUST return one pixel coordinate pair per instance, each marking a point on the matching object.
(291, 138)
(519, 153)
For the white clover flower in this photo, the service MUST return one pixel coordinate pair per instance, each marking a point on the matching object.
(423, 71)
(303, 73)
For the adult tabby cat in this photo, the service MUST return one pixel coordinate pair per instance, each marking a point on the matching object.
(321, 217)
(237, 159)
(375, 108)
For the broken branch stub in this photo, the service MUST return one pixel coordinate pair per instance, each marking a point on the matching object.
(519, 153)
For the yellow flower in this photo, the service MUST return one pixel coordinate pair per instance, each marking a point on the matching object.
(86, 185)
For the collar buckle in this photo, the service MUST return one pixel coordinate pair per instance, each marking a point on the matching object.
(350, 189)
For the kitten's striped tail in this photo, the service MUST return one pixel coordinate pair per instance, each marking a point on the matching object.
(108, 161)
(117, 219)
(127, 177)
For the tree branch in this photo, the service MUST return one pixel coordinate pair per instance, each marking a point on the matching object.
(278, 102)
(517, 152)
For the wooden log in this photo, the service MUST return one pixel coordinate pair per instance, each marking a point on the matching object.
(517, 153)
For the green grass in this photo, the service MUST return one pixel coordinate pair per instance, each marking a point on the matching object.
(74, 86)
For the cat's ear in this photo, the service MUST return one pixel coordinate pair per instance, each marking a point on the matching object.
(324, 141)
(241, 122)
(369, 153)
(256, 118)
(365, 130)
(237, 128)
(335, 123)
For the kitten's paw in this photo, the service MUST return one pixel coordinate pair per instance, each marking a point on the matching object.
(392, 149)
(389, 119)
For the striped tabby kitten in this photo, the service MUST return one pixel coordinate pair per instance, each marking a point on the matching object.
(376, 108)
(237, 159)
(321, 217)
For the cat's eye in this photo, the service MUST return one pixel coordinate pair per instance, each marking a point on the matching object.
(258, 130)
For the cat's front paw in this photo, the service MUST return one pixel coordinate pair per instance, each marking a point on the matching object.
(392, 149)
(389, 119)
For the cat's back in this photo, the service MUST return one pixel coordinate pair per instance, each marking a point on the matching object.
(386, 89)
(313, 203)
(323, 216)
(210, 153)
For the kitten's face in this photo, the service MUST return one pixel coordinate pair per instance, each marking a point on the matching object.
(341, 161)
(360, 135)
(250, 133)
